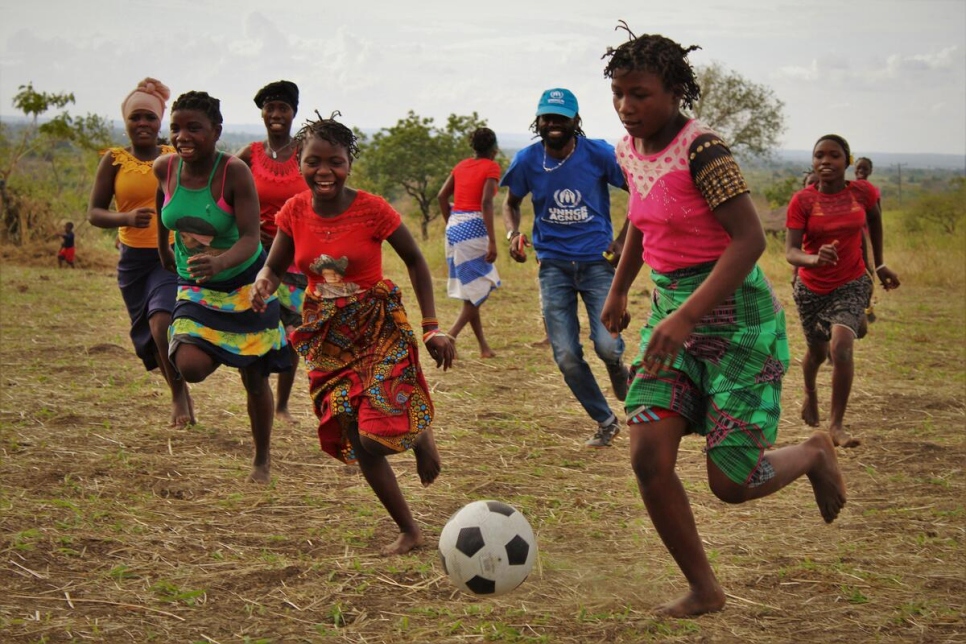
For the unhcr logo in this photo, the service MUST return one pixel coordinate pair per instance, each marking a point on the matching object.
(556, 96)
(567, 198)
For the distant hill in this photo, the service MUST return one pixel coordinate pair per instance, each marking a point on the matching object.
(237, 134)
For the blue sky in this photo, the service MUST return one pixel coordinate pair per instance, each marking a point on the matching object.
(889, 75)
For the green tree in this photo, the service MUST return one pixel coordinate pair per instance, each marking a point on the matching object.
(415, 156)
(945, 210)
(49, 144)
(748, 115)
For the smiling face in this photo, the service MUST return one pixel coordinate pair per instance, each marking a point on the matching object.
(142, 128)
(556, 130)
(863, 168)
(645, 106)
(278, 116)
(829, 162)
(325, 167)
(193, 134)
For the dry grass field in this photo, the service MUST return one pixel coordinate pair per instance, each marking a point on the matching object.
(114, 528)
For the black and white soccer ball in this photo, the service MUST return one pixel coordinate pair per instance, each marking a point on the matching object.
(487, 548)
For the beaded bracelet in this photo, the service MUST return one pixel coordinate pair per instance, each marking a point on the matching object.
(430, 322)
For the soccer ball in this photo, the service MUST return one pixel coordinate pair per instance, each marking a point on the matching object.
(487, 548)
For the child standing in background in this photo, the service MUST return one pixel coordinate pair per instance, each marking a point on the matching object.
(66, 252)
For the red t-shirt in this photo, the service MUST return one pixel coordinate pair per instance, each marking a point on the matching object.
(469, 178)
(275, 183)
(825, 218)
(342, 254)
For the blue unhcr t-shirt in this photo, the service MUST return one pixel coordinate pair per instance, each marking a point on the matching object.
(571, 204)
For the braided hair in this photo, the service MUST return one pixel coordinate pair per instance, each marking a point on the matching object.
(201, 102)
(842, 143)
(328, 129)
(482, 140)
(659, 55)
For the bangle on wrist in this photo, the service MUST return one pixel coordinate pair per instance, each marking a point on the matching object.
(429, 323)
(880, 267)
(432, 333)
(512, 234)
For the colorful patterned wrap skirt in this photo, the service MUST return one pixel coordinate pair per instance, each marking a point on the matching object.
(726, 381)
(218, 318)
(147, 288)
(363, 362)
(470, 276)
(291, 297)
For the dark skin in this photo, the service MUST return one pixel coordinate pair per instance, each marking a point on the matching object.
(470, 312)
(326, 167)
(278, 116)
(829, 162)
(142, 129)
(194, 135)
(650, 113)
(557, 133)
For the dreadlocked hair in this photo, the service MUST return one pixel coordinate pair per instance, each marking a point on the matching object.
(328, 129)
(482, 140)
(201, 102)
(659, 55)
(577, 130)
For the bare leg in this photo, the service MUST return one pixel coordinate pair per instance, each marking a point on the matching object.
(814, 357)
(428, 463)
(476, 323)
(380, 477)
(182, 408)
(843, 370)
(260, 414)
(814, 458)
(284, 388)
(654, 450)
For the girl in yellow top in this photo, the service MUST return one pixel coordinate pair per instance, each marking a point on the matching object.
(124, 176)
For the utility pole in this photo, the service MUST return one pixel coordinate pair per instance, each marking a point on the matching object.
(899, 168)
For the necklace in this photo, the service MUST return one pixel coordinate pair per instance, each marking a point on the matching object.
(559, 165)
(281, 149)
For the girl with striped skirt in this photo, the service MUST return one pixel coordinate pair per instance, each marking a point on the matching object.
(208, 199)
(470, 240)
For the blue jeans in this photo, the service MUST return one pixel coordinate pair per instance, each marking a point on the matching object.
(560, 284)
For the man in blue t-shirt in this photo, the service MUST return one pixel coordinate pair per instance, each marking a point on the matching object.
(567, 176)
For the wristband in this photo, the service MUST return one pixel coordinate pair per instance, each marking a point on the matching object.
(432, 333)
(431, 323)
(879, 267)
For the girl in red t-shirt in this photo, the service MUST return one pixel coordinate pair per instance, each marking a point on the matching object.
(824, 240)
(470, 240)
(368, 389)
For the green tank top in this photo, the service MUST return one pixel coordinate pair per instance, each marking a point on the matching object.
(201, 224)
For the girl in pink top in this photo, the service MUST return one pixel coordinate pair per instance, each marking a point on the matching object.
(714, 350)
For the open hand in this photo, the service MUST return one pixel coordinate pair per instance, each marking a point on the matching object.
(203, 267)
(666, 341)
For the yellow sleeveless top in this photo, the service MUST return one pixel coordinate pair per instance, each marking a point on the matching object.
(136, 187)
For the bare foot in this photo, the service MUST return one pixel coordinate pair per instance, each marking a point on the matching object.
(404, 543)
(285, 415)
(261, 473)
(694, 603)
(487, 353)
(842, 438)
(826, 478)
(810, 408)
(428, 463)
(182, 408)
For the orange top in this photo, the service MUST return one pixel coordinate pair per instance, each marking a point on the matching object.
(135, 187)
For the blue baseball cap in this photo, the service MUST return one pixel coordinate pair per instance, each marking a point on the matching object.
(558, 101)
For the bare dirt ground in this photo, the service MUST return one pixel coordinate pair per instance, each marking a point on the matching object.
(115, 528)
